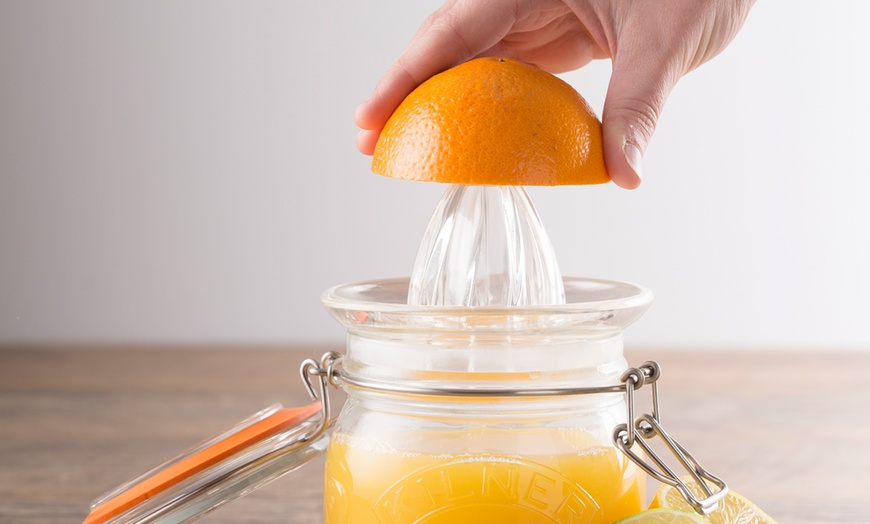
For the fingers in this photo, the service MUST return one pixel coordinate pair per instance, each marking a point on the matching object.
(452, 34)
(366, 140)
(639, 85)
(654, 47)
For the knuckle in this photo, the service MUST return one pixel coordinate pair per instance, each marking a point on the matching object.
(640, 115)
(448, 31)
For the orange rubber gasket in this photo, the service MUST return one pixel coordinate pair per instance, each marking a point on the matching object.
(282, 419)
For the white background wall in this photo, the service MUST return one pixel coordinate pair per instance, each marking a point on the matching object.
(186, 172)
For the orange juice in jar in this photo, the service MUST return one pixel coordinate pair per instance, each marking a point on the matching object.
(580, 480)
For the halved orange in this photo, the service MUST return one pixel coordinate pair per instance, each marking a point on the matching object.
(493, 121)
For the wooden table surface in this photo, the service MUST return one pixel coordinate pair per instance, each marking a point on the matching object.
(788, 430)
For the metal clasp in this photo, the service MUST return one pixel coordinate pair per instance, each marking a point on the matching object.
(648, 426)
(327, 375)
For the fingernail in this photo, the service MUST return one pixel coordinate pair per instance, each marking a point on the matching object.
(634, 157)
(358, 111)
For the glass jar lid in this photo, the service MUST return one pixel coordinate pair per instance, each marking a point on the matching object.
(256, 451)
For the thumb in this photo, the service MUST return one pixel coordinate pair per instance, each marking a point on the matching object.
(639, 86)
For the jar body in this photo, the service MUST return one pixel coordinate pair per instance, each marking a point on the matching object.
(395, 459)
(459, 415)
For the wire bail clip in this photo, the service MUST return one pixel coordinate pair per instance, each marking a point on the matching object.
(648, 426)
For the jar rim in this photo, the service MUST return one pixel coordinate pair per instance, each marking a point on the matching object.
(598, 304)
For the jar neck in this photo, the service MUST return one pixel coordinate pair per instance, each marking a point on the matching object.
(491, 361)
(486, 409)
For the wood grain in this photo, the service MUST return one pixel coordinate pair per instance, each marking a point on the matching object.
(788, 430)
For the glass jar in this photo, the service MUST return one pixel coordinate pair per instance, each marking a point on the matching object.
(465, 414)
(454, 414)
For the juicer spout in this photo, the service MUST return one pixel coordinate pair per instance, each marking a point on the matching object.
(485, 246)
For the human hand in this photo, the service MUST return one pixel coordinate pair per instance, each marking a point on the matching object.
(652, 44)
